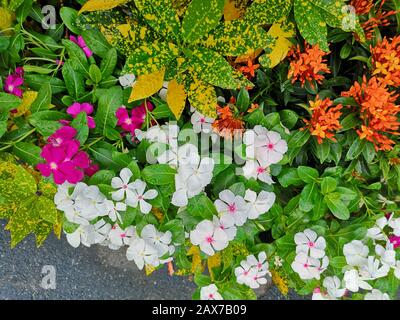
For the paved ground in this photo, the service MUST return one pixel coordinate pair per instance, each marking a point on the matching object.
(85, 273)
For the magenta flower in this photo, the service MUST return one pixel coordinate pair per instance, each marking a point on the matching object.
(76, 108)
(136, 120)
(92, 169)
(62, 135)
(14, 81)
(82, 44)
(57, 165)
(395, 240)
(63, 159)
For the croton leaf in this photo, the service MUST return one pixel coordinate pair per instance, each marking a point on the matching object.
(176, 98)
(281, 32)
(150, 58)
(202, 97)
(213, 68)
(147, 85)
(160, 16)
(235, 38)
(234, 9)
(99, 5)
(200, 18)
(267, 11)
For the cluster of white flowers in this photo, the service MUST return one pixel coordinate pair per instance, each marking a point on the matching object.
(233, 211)
(133, 193)
(364, 266)
(310, 261)
(263, 148)
(152, 248)
(252, 272)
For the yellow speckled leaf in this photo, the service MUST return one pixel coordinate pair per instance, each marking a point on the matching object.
(252, 55)
(176, 98)
(233, 9)
(99, 5)
(282, 45)
(202, 97)
(149, 269)
(147, 85)
(6, 18)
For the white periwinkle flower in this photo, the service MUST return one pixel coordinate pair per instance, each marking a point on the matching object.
(201, 123)
(375, 294)
(229, 203)
(309, 243)
(253, 169)
(142, 253)
(334, 287)
(356, 253)
(210, 292)
(123, 184)
(354, 282)
(139, 196)
(159, 240)
(227, 224)
(119, 237)
(258, 204)
(307, 267)
(209, 237)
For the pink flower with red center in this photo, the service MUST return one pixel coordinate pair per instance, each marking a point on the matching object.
(308, 242)
(82, 44)
(14, 81)
(395, 240)
(209, 237)
(136, 120)
(210, 292)
(76, 108)
(229, 203)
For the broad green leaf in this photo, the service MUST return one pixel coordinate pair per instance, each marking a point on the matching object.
(43, 99)
(336, 206)
(81, 126)
(8, 102)
(96, 42)
(159, 174)
(108, 104)
(109, 63)
(307, 174)
(28, 152)
(307, 196)
(74, 80)
(69, 16)
(267, 11)
(75, 52)
(200, 18)
(328, 185)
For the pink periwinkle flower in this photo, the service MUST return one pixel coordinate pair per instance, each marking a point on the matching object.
(82, 44)
(92, 169)
(395, 240)
(76, 108)
(14, 81)
(136, 120)
(63, 159)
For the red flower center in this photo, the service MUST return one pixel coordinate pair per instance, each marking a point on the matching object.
(210, 239)
(232, 208)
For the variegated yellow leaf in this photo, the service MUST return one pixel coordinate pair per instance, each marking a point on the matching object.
(100, 5)
(147, 85)
(176, 98)
(234, 9)
(6, 18)
(202, 97)
(252, 55)
(213, 262)
(149, 269)
(27, 99)
(281, 32)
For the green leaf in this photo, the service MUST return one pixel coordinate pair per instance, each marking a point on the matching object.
(160, 16)
(336, 206)
(102, 176)
(159, 174)
(28, 152)
(74, 81)
(96, 42)
(46, 209)
(43, 99)
(79, 62)
(307, 174)
(328, 185)
(35, 81)
(95, 73)
(288, 177)
(200, 18)
(322, 150)
(8, 102)
(109, 63)
(289, 118)
(3, 127)
(108, 104)
(307, 195)
(177, 229)
(355, 149)
(267, 11)
(243, 100)
(69, 17)
(319, 208)
(201, 206)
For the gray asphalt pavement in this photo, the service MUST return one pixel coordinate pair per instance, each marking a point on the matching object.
(86, 273)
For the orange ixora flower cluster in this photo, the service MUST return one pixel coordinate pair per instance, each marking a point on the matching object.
(249, 70)
(362, 6)
(308, 65)
(324, 120)
(386, 61)
(378, 111)
(379, 19)
(228, 125)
